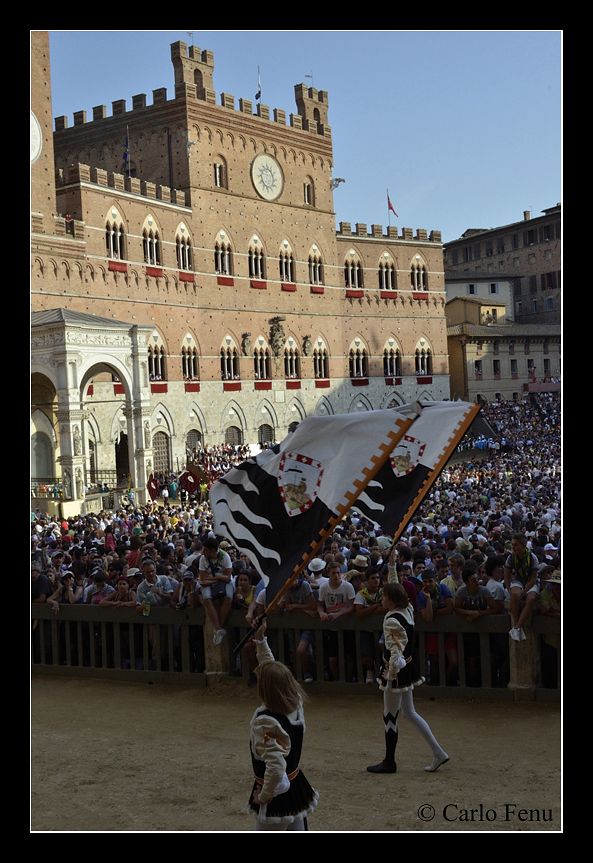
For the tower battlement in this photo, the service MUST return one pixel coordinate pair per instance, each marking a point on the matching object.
(110, 179)
(390, 233)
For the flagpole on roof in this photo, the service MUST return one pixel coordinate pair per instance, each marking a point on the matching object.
(388, 210)
(377, 461)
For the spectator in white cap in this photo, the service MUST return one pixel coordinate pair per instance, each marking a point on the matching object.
(315, 578)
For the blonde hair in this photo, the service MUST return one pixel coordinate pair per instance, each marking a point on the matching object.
(277, 688)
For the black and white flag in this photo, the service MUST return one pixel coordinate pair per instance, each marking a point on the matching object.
(274, 506)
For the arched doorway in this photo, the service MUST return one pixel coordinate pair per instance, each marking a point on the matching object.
(265, 434)
(233, 435)
(122, 459)
(193, 440)
(162, 461)
(42, 461)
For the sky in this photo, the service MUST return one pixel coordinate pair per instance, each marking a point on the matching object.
(462, 127)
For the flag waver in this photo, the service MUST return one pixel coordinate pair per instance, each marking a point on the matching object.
(152, 487)
(275, 507)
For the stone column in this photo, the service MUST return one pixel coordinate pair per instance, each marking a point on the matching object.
(141, 454)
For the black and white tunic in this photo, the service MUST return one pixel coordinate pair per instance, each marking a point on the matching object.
(398, 633)
(276, 742)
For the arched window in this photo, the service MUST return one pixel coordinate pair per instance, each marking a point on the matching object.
(261, 363)
(256, 259)
(185, 257)
(353, 271)
(229, 361)
(286, 263)
(386, 274)
(309, 192)
(157, 359)
(320, 360)
(392, 361)
(423, 360)
(115, 237)
(233, 435)
(315, 266)
(358, 360)
(220, 173)
(223, 262)
(292, 361)
(418, 275)
(151, 245)
(189, 364)
(265, 434)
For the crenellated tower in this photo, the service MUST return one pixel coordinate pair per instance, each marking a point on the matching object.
(193, 72)
(312, 106)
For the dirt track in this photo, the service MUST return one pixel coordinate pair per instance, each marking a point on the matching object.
(126, 756)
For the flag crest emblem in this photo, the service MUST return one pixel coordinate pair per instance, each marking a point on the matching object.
(298, 482)
(406, 455)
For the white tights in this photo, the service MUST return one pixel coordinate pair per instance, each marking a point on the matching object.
(297, 824)
(394, 702)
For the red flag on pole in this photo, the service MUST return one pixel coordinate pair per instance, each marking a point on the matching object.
(390, 205)
(152, 487)
(189, 481)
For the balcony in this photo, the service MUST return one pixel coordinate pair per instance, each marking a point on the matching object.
(388, 295)
(317, 289)
(192, 386)
(290, 287)
(225, 280)
(293, 384)
(359, 382)
(184, 276)
(392, 382)
(231, 386)
(354, 293)
(262, 385)
(258, 284)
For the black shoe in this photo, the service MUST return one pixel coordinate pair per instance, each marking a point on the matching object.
(383, 767)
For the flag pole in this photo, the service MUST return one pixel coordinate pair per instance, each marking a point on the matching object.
(433, 475)
(388, 210)
(128, 142)
(369, 473)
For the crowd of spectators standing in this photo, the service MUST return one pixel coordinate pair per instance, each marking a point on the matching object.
(486, 541)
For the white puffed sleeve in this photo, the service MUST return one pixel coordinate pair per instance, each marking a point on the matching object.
(271, 744)
(396, 640)
(263, 652)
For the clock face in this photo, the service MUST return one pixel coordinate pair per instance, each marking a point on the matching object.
(266, 175)
(36, 138)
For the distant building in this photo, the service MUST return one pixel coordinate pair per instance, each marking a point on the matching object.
(491, 358)
(528, 252)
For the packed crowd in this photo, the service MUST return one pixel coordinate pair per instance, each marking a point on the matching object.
(486, 541)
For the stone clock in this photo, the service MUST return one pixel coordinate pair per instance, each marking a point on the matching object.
(266, 175)
(36, 138)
